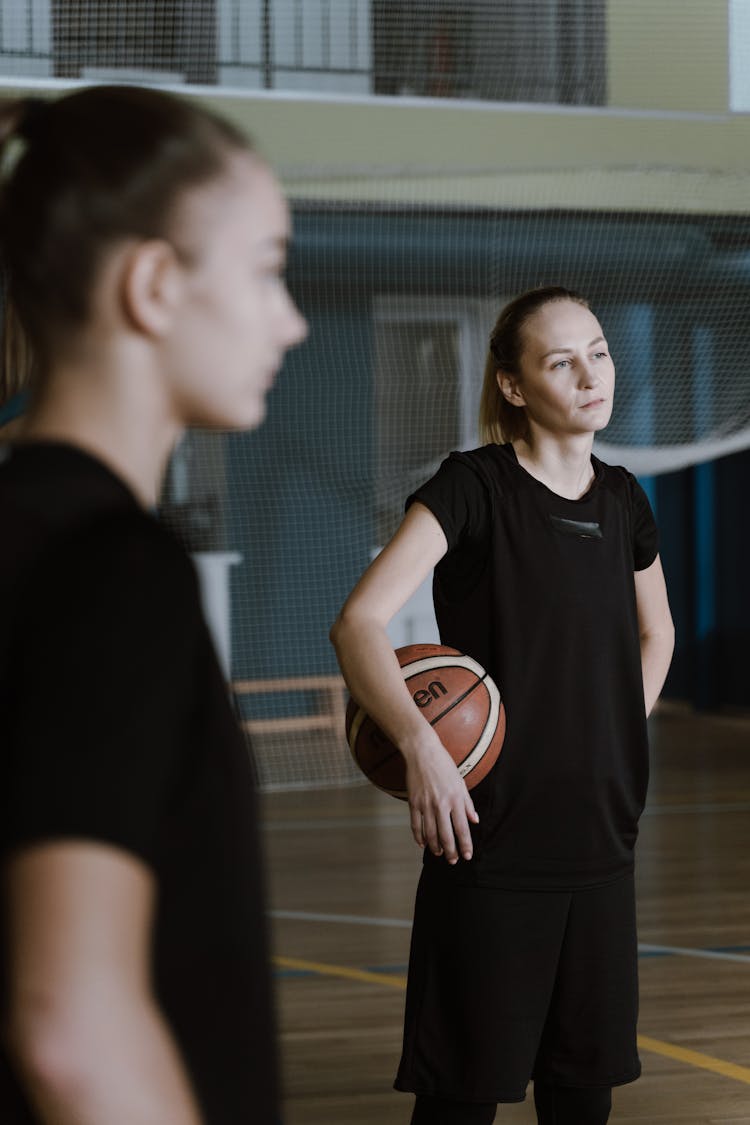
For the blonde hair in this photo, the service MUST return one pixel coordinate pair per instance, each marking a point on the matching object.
(500, 420)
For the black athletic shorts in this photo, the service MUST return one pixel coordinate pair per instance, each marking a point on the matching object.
(505, 986)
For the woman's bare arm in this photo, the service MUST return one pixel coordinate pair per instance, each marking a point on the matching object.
(438, 799)
(655, 628)
(89, 1043)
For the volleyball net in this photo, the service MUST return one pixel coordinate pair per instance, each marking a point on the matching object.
(401, 261)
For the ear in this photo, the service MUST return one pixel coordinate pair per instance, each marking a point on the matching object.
(509, 388)
(152, 284)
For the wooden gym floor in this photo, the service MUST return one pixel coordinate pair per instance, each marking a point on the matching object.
(343, 870)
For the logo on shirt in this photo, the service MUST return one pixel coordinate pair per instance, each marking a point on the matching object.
(580, 528)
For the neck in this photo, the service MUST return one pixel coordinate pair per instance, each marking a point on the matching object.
(562, 463)
(118, 414)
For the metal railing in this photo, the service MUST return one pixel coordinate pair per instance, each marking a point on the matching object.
(501, 50)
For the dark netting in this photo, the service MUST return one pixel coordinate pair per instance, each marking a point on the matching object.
(401, 272)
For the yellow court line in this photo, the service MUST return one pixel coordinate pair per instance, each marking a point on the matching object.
(695, 1058)
(341, 971)
(645, 1042)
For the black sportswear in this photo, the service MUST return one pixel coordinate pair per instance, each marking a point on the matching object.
(540, 590)
(117, 729)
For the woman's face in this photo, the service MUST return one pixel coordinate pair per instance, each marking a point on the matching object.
(567, 377)
(235, 319)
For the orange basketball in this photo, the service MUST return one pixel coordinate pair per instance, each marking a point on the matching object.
(459, 699)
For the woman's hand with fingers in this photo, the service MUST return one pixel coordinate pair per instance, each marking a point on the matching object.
(439, 802)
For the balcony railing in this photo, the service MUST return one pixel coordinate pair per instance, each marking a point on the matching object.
(504, 50)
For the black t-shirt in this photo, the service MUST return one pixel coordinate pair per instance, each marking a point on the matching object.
(117, 728)
(540, 590)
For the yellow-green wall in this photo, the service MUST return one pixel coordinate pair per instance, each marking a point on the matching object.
(468, 155)
(668, 54)
(666, 141)
(682, 152)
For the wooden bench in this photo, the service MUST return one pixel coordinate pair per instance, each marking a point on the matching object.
(330, 694)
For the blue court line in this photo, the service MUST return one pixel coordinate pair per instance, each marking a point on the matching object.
(293, 974)
(647, 953)
(736, 953)
(709, 949)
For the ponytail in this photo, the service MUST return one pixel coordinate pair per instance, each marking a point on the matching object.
(17, 364)
(93, 167)
(19, 119)
(500, 420)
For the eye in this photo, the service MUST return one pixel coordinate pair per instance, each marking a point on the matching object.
(600, 355)
(561, 363)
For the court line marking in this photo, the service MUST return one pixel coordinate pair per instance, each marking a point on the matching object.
(682, 951)
(392, 820)
(389, 821)
(705, 807)
(340, 971)
(402, 923)
(645, 1042)
(349, 919)
(695, 1058)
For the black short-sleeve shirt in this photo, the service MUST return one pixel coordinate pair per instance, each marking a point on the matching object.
(117, 728)
(540, 590)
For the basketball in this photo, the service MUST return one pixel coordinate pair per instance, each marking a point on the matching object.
(456, 696)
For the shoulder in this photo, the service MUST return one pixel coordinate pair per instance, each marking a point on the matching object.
(125, 537)
(473, 471)
(485, 473)
(494, 465)
(121, 558)
(461, 495)
(644, 535)
(618, 480)
(484, 456)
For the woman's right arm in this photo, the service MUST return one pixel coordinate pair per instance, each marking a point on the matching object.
(83, 1026)
(439, 801)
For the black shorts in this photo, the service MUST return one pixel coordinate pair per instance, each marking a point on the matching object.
(505, 986)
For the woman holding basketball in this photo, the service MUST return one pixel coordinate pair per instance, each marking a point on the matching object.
(144, 245)
(524, 954)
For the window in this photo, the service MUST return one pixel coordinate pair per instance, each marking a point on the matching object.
(510, 50)
(173, 41)
(429, 358)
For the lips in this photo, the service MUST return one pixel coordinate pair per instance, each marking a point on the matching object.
(592, 403)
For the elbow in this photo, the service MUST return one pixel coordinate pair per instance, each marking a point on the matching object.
(352, 623)
(659, 641)
(334, 633)
(342, 627)
(661, 633)
(670, 636)
(49, 1057)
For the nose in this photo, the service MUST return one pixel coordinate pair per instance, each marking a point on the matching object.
(589, 376)
(296, 326)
